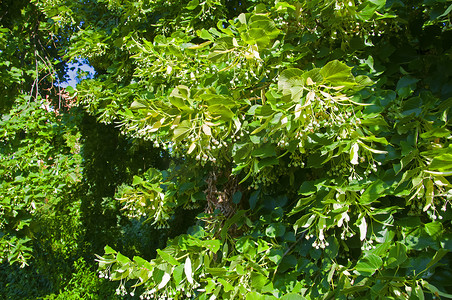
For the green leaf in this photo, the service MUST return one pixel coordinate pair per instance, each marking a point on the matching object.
(268, 161)
(446, 241)
(290, 78)
(442, 162)
(304, 221)
(406, 159)
(448, 10)
(212, 245)
(253, 296)
(178, 102)
(109, 250)
(266, 150)
(235, 218)
(275, 230)
(292, 296)
(429, 194)
(337, 73)
(253, 199)
(167, 257)
(139, 261)
(242, 18)
(241, 151)
(307, 188)
(210, 285)
(371, 149)
(122, 259)
(258, 281)
(262, 246)
(438, 255)
(417, 293)
(180, 131)
(373, 192)
(434, 229)
(192, 4)
(262, 127)
(397, 255)
(275, 255)
(332, 250)
(367, 265)
(226, 285)
(204, 34)
(137, 105)
(255, 139)
(419, 239)
(406, 85)
(177, 274)
(216, 271)
(436, 133)
(214, 99)
(368, 9)
(261, 30)
(221, 110)
(435, 290)
(237, 197)
(191, 148)
(137, 180)
(259, 21)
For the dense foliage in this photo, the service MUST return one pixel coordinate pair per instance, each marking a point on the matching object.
(39, 153)
(311, 139)
(59, 171)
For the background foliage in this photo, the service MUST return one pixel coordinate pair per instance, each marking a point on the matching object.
(306, 146)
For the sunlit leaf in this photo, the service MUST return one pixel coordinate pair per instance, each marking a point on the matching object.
(362, 228)
(354, 154)
(369, 264)
(167, 257)
(165, 279)
(188, 270)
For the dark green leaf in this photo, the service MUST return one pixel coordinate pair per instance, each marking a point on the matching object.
(373, 192)
(307, 188)
(266, 150)
(406, 85)
(253, 199)
(268, 161)
(438, 256)
(237, 197)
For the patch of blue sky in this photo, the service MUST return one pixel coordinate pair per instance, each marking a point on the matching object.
(77, 71)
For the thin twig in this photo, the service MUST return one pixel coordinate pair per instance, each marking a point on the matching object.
(37, 75)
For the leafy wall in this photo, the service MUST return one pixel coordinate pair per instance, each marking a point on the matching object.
(312, 140)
